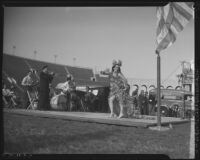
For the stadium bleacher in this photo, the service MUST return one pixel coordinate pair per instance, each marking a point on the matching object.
(60, 76)
(18, 66)
(14, 67)
(80, 73)
(101, 79)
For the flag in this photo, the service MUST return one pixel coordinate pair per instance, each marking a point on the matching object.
(171, 19)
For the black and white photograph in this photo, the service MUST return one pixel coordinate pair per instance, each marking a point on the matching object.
(99, 80)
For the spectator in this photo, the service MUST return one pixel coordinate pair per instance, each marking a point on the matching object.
(135, 92)
(141, 102)
(135, 97)
(146, 105)
(152, 103)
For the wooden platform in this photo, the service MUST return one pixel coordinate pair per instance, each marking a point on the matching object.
(102, 118)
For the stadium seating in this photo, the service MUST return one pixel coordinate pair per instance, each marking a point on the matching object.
(101, 79)
(17, 67)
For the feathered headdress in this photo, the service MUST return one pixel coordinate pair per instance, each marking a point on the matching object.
(119, 63)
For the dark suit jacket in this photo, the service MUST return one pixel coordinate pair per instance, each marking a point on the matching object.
(152, 99)
(141, 100)
(45, 79)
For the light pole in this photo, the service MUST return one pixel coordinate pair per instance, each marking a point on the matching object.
(35, 53)
(74, 61)
(55, 57)
(14, 49)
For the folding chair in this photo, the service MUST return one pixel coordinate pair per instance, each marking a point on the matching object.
(82, 105)
(4, 100)
(9, 103)
(33, 99)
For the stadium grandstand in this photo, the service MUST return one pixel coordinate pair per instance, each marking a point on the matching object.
(16, 67)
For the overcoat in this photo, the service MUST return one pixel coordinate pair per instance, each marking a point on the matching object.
(44, 100)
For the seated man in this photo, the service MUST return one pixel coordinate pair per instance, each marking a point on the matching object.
(8, 96)
(89, 100)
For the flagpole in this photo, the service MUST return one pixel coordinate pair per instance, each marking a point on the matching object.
(158, 90)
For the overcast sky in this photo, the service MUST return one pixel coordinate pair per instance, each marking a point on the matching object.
(95, 36)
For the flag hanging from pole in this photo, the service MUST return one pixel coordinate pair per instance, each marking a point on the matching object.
(171, 19)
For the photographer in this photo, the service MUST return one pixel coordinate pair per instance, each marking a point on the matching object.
(45, 79)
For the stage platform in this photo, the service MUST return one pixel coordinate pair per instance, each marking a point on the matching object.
(102, 118)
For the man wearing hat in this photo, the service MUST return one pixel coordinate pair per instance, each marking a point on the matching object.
(45, 79)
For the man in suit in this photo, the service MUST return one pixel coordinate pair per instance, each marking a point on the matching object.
(45, 79)
(152, 103)
(146, 105)
(135, 97)
(141, 102)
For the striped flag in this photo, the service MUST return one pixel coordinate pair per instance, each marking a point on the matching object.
(172, 18)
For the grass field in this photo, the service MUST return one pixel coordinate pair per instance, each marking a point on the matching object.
(34, 135)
